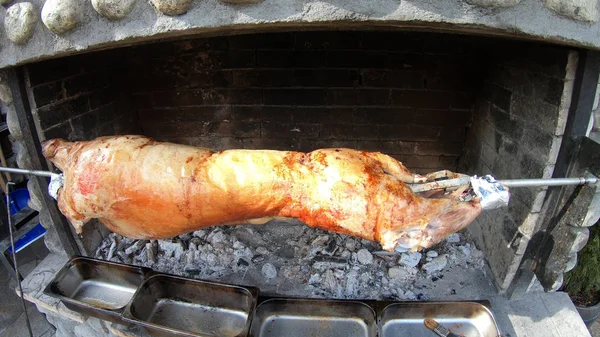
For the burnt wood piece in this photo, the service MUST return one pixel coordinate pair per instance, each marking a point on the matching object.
(32, 143)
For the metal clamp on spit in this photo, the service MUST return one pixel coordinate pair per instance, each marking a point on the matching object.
(492, 193)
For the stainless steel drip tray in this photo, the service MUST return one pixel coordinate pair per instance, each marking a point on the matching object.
(296, 317)
(95, 287)
(168, 305)
(468, 319)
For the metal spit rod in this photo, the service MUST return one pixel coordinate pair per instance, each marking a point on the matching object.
(26, 172)
(548, 182)
(436, 185)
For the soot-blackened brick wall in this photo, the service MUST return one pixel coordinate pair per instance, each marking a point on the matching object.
(516, 133)
(405, 94)
(80, 97)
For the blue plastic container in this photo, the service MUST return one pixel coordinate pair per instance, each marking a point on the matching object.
(18, 200)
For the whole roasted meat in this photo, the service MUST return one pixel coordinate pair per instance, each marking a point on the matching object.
(141, 188)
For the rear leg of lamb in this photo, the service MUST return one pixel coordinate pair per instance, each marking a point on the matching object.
(141, 188)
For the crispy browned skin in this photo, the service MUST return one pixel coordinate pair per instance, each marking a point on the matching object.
(141, 188)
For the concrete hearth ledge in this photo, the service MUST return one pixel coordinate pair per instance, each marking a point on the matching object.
(531, 19)
(531, 315)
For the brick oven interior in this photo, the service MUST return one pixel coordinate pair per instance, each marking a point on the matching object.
(433, 101)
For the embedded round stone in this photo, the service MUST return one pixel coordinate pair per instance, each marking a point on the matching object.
(242, 2)
(19, 22)
(113, 9)
(61, 16)
(5, 95)
(172, 7)
(5, 2)
(495, 3)
(582, 10)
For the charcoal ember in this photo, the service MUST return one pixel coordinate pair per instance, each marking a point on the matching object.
(216, 236)
(314, 279)
(123, 243)
(269, 271)
(193, 269)
(320, 241)
(136, 247)
(410, 295)
(352, 284)
(329, 281)
(142, 256)
(242, 263)
(365, 278)
(339, 274)
(326, 262)
(210, 258)
(364, 256)
(226, 259)
(436, 264)
(124, 257)
(332, 248)
(201, 234)
(112, 249)
(285, 252)
(350, 244)
(302, 242)
(262, 251)
(465, 250)
(219, 270)
(398, 274)
(116, 259)
(171, 249)
(151, 252)
(189, 257)
(243, 252)
(411, 259)
(102, 250)
(219, 246)
(432, 254)
(453, 238)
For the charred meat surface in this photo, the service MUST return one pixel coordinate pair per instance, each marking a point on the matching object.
(144, 189)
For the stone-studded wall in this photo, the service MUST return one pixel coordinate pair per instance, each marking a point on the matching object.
(38, 29)
(516, 133)
(405, 94)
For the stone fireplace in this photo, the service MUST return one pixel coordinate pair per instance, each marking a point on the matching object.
(433, 101)
(477, 87)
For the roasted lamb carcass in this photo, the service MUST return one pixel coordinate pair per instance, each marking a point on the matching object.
(141, 188)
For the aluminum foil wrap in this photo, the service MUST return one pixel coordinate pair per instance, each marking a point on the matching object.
(56, 183)
(491, 194)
